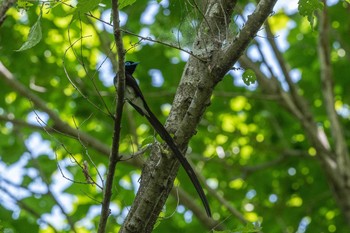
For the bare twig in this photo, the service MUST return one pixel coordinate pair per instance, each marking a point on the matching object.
(71, 47)
(114, 156)
(85, 165)
(148, 38)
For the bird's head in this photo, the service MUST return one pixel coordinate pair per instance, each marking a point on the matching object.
(130, 67)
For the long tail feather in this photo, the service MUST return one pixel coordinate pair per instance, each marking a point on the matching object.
(163, 133)
(136, 99)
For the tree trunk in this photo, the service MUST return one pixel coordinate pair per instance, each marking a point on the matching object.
(215, 51)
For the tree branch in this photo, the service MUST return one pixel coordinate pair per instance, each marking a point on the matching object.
(114, 156)
(192, 98)
(336, 163)
(58, 124)
(272, 86)
(228, 56)
(324, 51)
(5, 5)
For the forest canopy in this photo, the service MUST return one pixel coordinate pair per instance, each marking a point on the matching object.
(253, 92)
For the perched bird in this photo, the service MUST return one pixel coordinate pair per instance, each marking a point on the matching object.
(135, 97)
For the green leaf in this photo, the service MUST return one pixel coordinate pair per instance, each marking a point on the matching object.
(23, 4)
(249, 77)
(84, 6)
(26, 180)
(34, 36)
(308, 7)
(125, 3)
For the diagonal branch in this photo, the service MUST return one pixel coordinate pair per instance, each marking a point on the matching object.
(324, 51)
(4, 6)
(229, 57)
(58, 124)
(25, 207)
(272, 86)
(293, 88)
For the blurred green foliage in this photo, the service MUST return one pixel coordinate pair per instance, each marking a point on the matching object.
(241, 132)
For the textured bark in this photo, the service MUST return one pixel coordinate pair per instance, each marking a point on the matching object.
(218, 51)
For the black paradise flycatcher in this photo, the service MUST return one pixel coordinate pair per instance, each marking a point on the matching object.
(135, 97)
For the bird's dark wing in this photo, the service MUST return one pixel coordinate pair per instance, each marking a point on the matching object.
(135, 97)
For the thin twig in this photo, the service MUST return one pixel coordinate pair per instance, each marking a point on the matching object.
(71, 47)
(148, 38)
(90, 159)
(114, 156)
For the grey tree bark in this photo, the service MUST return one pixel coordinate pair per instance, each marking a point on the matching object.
(216, 51)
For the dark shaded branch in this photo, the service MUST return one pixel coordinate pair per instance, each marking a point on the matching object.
(293, 88)
(339, 172)
(148, 38)
(335, 162)
(49, 130)
(23, 124)
(5, 5)
(247, 170)
(114, 156)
